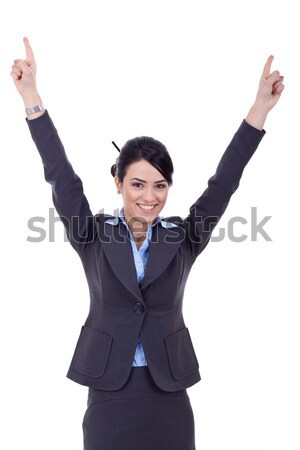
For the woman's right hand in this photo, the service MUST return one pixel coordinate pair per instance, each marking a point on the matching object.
(24, 75)
(24, 72)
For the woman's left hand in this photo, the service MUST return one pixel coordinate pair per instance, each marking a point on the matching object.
(270, 86)
(269, 91)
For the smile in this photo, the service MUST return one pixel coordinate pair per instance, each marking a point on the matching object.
(146, 207)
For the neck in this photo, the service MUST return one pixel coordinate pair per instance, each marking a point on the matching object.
(137, 227)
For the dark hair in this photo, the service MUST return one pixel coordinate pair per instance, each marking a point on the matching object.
(148, 148)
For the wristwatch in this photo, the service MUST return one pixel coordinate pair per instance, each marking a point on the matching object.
(34, 109)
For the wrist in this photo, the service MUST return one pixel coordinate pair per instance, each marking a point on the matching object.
(30, 100)
(257, 115)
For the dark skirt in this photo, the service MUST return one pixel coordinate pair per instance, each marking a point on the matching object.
(140, 416)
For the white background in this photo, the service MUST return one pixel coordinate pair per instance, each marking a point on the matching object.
(185, 73)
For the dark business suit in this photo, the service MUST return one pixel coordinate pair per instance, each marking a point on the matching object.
(120, 309)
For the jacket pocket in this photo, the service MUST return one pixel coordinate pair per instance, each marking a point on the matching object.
(182, 357)
(92, 352)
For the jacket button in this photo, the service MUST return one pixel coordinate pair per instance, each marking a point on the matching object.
(138, 308)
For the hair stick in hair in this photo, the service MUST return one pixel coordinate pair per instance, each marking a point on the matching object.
(115, 146)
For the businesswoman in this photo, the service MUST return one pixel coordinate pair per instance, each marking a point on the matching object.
(134, 350)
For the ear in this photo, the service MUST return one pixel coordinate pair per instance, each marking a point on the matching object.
(118, 184)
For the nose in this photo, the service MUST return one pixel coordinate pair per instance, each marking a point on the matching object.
(149, 195)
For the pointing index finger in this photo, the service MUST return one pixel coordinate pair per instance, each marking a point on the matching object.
(29, 52)
(267, 67)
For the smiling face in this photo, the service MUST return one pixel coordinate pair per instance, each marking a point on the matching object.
(144, 192)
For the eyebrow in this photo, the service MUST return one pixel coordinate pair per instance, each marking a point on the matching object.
(146, 181)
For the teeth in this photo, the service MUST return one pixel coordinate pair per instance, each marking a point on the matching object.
(147, 208)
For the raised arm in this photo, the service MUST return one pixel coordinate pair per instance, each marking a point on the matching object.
(206, 212)
(67, 190)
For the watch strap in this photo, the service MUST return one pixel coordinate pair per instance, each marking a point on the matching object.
(34, 109)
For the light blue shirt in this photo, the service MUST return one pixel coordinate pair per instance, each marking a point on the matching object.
(140, 260)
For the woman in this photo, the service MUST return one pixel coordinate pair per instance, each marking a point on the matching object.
(134, 351)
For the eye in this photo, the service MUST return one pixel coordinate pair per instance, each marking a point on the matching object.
(160, 185)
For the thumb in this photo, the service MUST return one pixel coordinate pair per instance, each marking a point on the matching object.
(27, 74)
(21, 64)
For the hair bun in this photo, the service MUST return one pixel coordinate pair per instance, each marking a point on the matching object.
(113, 170)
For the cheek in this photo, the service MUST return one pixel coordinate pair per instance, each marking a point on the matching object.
(129, 195)
(131, 199)
(163, 196)
(162, 200)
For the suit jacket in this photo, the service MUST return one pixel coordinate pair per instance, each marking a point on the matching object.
(120, 309)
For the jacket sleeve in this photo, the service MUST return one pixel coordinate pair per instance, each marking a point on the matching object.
(67, 190)
(207, 210)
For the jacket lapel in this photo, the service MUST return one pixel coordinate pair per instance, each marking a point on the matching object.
(117, 248)
(163, 247)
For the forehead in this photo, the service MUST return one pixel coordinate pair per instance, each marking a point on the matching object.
(143, 169)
